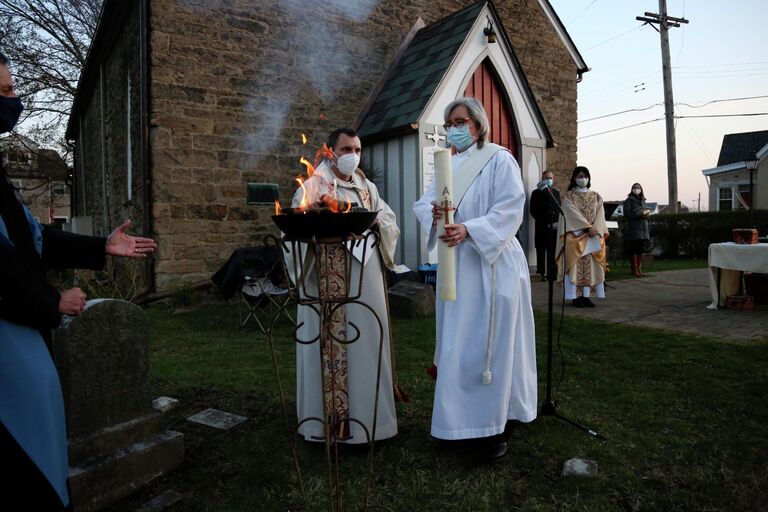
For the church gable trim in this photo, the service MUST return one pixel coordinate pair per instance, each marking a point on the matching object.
(526, 112)
(565, 37)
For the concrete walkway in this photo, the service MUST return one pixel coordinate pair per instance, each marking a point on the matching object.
(675, 300)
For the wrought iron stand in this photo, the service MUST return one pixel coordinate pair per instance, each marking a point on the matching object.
(311, 287)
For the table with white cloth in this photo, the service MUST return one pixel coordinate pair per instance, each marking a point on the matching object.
(727, 264)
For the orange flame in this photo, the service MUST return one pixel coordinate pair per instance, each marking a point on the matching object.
(303, 139)
(336, 205)
(304, 203)
(278, 208)
(323, 152)
(309, 166)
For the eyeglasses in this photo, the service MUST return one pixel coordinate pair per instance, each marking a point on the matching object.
(458, 123)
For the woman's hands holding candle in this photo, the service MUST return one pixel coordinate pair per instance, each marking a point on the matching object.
(454, 234)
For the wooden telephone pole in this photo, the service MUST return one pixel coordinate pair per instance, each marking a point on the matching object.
(665, 22)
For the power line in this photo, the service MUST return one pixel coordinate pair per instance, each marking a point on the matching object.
(748, 114)
(722, 100)
(718, 76)
(582, 12)
(685, 104)
(723, 65)
(697, 140)
(611, 39)
(621, 128)
(622, 112)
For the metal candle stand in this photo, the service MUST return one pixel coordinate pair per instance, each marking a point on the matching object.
(325, 302)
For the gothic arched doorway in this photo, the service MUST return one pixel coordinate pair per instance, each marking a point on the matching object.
(486, 87)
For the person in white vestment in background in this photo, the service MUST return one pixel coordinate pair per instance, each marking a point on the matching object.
(486, 350)
(350, 389)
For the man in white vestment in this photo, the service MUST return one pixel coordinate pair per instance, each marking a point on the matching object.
(350, 389)
(486, 352)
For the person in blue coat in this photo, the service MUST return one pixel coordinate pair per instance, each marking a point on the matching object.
(33, 440)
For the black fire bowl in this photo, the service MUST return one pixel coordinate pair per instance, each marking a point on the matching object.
(323, 224)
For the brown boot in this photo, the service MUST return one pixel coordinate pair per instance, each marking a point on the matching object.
(635, 265)
(640, 266)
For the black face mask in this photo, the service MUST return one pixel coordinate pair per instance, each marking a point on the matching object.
(10, 110)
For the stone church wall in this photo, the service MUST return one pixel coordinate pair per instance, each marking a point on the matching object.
(235, 83)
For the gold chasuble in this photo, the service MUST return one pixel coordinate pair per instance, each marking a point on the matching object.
(584, 256)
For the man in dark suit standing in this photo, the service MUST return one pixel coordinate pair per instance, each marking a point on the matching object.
(546, 226)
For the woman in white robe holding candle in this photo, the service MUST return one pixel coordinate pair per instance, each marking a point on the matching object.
(485, 353)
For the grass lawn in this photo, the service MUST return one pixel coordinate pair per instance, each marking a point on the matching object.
(685, 417)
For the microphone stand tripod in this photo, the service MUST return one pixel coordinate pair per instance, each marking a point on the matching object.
(549, 407)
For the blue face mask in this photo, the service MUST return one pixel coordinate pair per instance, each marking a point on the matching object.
(10, 110)
(549, 182)
(460, 137)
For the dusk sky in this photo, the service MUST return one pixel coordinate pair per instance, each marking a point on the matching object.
(718, 57)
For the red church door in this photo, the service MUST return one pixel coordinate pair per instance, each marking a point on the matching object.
(486, 87)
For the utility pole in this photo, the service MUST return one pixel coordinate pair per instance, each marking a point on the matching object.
(665, 22)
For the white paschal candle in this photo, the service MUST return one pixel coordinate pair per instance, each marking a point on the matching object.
(446, 256)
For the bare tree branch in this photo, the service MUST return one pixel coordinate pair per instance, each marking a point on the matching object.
(47, 42)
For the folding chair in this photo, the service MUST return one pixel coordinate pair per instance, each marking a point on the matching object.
(256, 274)
(261, 300)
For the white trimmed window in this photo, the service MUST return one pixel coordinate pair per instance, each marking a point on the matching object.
(724, 199)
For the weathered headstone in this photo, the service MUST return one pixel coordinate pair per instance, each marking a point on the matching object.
(117, 441)
(411, 299)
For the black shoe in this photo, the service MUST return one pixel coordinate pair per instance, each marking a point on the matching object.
(495, 452)
(578, 302)
(588, 303)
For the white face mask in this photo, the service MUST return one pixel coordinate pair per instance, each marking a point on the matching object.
(636, 191)
(348, 163)
(582, 182)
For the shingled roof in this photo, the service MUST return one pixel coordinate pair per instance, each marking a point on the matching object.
(737, 146)
(418, 73)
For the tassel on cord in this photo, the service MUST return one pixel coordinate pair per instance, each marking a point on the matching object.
(487, 375)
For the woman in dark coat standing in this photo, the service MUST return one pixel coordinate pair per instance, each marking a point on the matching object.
(33, 441)
(637, 227)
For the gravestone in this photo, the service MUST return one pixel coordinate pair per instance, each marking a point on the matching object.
(117, 441)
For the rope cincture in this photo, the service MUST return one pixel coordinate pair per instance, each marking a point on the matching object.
(487, 375)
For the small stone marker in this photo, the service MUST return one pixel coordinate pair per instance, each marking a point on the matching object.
(164, 403)
(161, 502)
(217, 419)
(579, 467)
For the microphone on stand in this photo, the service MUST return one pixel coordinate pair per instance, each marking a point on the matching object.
(542, 185)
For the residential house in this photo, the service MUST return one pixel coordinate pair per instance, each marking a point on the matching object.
(40, 175)
(729, 182)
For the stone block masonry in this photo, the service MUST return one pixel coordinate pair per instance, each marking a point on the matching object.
(234, 83)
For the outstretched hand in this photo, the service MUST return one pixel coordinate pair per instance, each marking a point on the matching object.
(120, 243)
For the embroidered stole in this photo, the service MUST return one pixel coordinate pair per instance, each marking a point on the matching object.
(334, 289)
